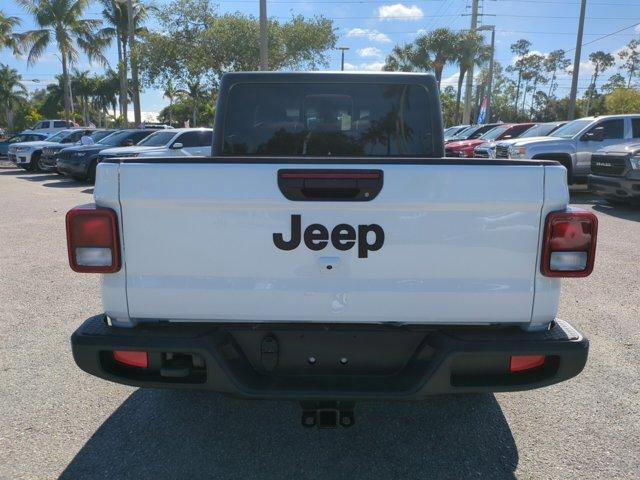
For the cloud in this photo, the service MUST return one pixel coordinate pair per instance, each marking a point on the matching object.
(370, 52)
(399, 11)
(372, 67)
(373, 35)
(637, 29)
(451, 80)
(349, 66)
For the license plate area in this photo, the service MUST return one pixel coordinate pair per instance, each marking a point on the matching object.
(329, 350)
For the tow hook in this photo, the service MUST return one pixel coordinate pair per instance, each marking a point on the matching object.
(327, 414)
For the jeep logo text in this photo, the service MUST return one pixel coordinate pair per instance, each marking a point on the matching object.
(369, 238)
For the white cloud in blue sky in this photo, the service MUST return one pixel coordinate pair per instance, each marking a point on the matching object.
(400, 11)
(373, 35)
(370, 52)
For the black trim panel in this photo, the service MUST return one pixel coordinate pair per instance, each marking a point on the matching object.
(329, 185)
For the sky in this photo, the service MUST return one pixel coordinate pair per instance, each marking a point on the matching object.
(371, 28)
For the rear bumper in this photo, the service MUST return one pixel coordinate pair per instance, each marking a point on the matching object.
(414, 362)
(615, 187)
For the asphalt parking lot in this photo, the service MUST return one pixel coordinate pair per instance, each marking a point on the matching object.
(57, 421)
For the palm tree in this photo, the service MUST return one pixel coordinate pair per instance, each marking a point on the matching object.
(405, 58)
(11, 92)
(117, 16)
(8, 39)
(440, 45)
(195, 92)
(470, 50)
(61, 21)
(170, 92)
(83, 87)
(106, 93)
(521, 49)
(601, 61)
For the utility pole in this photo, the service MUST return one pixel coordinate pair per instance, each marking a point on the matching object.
(343, 49)
(466, 116)
(576, 63)
(264, 61)
(493, 54)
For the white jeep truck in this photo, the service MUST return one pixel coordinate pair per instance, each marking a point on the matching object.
(325, 252)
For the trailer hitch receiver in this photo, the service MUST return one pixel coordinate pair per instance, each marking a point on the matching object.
(328, 414)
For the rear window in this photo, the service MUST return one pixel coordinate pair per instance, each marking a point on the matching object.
(157, 139)
(100, 134)
(327, 119)
(494, 133)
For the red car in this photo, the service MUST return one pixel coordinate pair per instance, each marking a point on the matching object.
(505, 131)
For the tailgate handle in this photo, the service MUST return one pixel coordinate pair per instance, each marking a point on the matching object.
(330, 185)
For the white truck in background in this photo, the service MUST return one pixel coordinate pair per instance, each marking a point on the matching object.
(170, 142)
(325, 252)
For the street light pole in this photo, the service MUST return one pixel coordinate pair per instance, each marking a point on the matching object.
(466, 116)
(493, 54)
(264, 61)
(343, 49)
(576, 63)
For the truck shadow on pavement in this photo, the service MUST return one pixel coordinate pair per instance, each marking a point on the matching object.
(159, 434)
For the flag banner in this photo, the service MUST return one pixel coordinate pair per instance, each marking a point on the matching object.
(482, 114)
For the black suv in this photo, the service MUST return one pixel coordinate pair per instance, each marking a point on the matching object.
(80, 162)
(49, 157)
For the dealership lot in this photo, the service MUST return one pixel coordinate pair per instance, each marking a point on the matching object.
(56, 420)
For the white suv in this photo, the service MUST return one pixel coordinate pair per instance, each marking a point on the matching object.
(50, 126)
(188, 142)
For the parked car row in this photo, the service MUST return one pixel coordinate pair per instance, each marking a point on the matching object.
(604, 150)
(76, 152)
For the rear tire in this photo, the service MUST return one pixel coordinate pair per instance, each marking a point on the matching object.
(39, 165)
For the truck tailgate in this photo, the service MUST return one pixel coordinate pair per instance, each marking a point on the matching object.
(461, 243)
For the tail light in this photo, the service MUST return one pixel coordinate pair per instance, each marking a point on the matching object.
(131, 358)
(569, 247)
(92, 239)
(522, 363)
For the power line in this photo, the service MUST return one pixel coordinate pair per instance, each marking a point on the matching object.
(605, 36)
(406, 32)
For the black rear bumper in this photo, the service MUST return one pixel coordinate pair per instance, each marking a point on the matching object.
(329, 362)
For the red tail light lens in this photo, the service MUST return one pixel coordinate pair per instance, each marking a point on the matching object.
(131, 358)
(521, 363)
(92, 239)
(569, 247)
